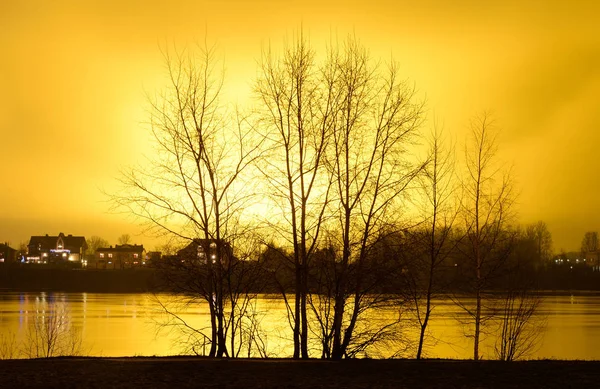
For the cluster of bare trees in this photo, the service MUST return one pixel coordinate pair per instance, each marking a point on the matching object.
(49, 332)
(339, 131)
(467, 223)
(329, 151)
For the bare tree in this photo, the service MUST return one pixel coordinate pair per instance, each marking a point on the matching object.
(543, 241)
(244, 280)
(22, 250)
(51, 333)
(194, 186)
(589, 243)
(321, 299)
(296, 122)
(521, 324)
(375, 120)
(170, 247)
(487, 201)
(8, 345)
(521, 329)
(191, 273)
(434, 238)
(94, 243)
(124, 239)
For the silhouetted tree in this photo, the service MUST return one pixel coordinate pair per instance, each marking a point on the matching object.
(375, 119)
(339, 135)
(192, 187)
(521, 329)
(486, 208)
(297, 124)
(192, 273)
(589, 242)
(124, 239)
(521, 325)
(51, 332)
(23, 250)
(94, 243)
(170, 247)
(9, 347)
(434, 239)
(542, 237)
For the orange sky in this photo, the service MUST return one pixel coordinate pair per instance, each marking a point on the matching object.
(73, 78)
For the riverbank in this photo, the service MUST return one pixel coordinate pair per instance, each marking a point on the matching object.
(189, 372)
(33, 278)
(69, 278)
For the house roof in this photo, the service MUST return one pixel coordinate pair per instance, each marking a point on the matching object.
(6, 251)
(4, 247)
(124, 248)
(50, 241)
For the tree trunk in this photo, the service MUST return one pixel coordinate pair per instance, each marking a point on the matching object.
(213, 326)
(304, 338)
(477, 326)
(297, 304)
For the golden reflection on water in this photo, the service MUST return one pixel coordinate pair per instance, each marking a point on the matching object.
(133, 324)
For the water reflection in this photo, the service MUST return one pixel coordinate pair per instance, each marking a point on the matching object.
(127, 325)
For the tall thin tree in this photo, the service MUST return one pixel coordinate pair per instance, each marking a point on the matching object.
(436, 239)
(296, 122)
(486, 207)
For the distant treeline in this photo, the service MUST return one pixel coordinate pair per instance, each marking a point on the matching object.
(34, 278)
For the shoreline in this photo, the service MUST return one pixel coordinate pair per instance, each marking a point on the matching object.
(31, 278)
(188, 372)
(11, 290)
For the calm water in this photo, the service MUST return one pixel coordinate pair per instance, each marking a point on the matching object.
(127, 325)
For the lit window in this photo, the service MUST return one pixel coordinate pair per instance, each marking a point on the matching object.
(64, 255)
(135, 255)
(101, 255)
(110, 255)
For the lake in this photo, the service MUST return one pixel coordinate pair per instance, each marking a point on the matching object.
(134, 325)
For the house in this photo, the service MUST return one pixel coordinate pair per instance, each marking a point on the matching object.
(152, 257)
(591, 259)
(123, 256)
(206, 251)
(7, 253)
(55, 249)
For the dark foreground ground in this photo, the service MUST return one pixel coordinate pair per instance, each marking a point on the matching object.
(203, 373)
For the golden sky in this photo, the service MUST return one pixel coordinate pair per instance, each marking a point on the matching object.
(74, 76)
